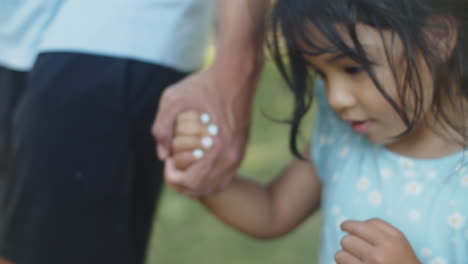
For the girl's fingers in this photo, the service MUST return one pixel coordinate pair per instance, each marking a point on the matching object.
(183, 160)
(356, 246)
(185, 143)
(364, 230)
(343, 257)
(189, 128)
(385, 227)
(188, 116)
(195, 128)
(189, 143)
(172, 177)
(203, 118)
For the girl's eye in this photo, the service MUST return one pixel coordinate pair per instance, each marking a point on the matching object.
(353, 70)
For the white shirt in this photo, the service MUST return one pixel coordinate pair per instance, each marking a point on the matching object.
(173, 33)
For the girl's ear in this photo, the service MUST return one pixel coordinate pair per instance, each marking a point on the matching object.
(442, 35)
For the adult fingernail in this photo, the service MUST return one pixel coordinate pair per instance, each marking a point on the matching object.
(198, 153)
(207, 142)
(205, 118)
(213, 130)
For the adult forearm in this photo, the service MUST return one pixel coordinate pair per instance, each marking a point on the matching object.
(240, 33)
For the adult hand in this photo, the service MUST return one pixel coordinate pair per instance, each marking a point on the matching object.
(374, 242)
(227, 96)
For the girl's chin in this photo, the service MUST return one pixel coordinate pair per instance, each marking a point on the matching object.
(379, 139)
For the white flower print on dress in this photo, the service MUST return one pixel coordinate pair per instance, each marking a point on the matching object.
(464, 180)
(344, 151)
(425, 252)
(414, 215)
(336, 176)
(413, 188)
(406, 163)
(386, 173)
(409, 174)
(339, 221)
(375, 198)
(336, 210)
(323, 140)
(460, 168)
(363, 184)
(432, 174)
(456, 220)
(438, 260)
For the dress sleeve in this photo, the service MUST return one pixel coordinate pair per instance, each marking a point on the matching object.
(325, 133)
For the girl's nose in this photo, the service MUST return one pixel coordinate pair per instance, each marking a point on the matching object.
(340, 96)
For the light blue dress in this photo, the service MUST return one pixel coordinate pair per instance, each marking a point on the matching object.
(425, 199)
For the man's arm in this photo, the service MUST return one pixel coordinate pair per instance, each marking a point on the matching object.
(225, 90)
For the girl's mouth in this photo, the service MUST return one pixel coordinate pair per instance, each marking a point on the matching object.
(360, 127)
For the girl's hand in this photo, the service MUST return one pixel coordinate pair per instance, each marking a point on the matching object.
(374, 242)
(193, 137)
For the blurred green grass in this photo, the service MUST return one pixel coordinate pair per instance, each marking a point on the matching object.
(184, 232)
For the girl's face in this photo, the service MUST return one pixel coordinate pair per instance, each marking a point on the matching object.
(353, 95)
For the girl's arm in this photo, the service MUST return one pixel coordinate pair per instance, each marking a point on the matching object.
(269, 211)
(257, 210)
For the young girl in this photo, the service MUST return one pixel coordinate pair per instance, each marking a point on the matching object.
(387, 158)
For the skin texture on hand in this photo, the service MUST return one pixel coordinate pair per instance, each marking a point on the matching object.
(374, 242)
(192, 139)
(225, 91)
(212, 92)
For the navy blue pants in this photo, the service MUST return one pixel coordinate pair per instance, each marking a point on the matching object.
(79, 174)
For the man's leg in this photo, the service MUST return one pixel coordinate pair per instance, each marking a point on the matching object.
(82, 192)
(71, 165)
(12, 84)
(148, 83)
(11, 87)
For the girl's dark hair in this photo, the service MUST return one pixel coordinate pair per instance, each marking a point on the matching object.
(410, 20)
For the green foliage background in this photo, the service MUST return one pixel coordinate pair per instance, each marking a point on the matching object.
(184, 232)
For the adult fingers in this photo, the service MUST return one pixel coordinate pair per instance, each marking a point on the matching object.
(171, 177)
(196, 176)
(195, 128)
(164, 123)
